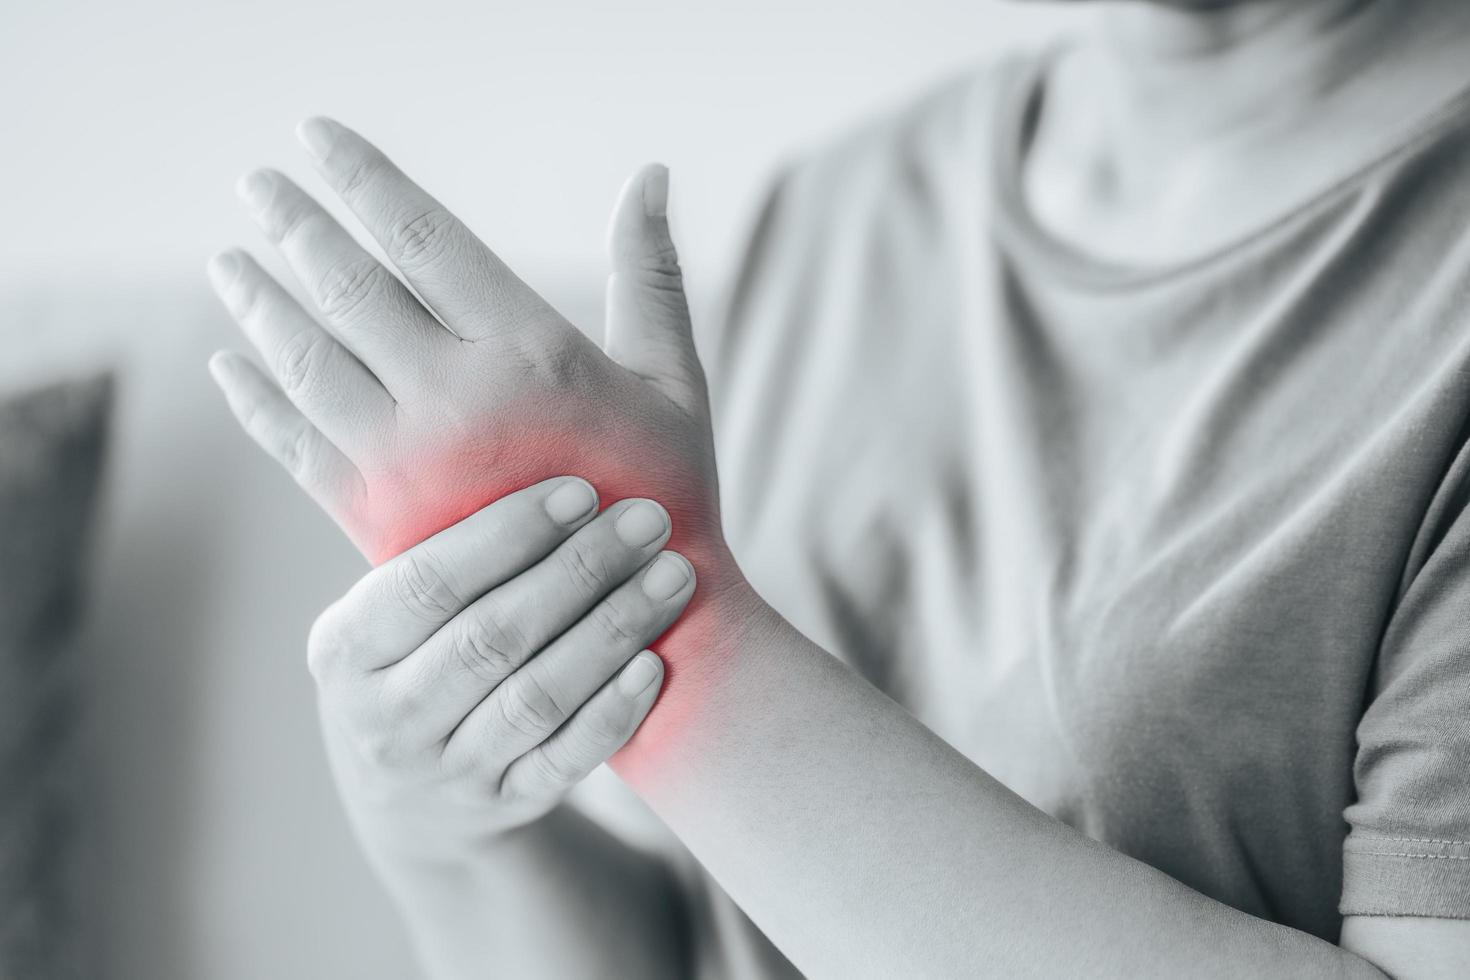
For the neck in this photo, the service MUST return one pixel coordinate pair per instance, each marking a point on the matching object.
(1169, 131)
(1172, 79)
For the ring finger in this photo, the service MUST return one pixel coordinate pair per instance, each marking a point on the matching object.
(321, 377)
(536, 700)
(493, 638)
(364, 304)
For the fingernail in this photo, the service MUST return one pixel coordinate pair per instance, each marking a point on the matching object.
(571, 501)
(222, 269)
(642, 524)
(255, 189)
(641, 671)
(317, 134)
(665, 577)
(656, 192)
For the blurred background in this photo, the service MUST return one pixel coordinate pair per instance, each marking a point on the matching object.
(167, 811)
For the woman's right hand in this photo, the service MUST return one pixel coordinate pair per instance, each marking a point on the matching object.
(467, 684)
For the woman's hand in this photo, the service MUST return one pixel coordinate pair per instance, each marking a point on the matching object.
(400, 421)
(468, 683)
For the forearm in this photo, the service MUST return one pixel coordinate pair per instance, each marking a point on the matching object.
(561, 897)
(862, 844)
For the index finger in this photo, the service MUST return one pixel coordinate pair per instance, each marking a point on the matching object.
(456, 274)
(395, 607)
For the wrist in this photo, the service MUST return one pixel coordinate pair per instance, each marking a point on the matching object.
(705, 653)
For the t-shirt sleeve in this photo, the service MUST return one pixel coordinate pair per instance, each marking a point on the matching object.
(1408, 851)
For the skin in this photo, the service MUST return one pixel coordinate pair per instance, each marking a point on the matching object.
(449, 750)
(398, 428)
(788, 777)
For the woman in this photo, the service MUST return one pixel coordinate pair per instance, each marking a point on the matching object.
(1107, 409)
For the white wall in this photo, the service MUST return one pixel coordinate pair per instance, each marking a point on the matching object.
(125, 124)
(122, 128)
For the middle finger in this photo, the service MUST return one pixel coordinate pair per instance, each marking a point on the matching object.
(492, 639)
(361, 302)
(523, 712)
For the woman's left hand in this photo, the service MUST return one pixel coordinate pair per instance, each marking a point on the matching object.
(401, 416)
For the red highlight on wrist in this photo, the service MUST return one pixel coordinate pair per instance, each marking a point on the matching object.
(443, 484)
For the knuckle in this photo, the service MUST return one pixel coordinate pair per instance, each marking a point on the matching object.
(423, 588)
(663, 291)
(527, 708)
(358, 175)
(299, 358)
(407, 703)
(551, 769)
(346, 286)
(617, 623)
(391, 706)
(585, 566)
(297, 453)
(659, 269)
(423, 237)
(601, 732)
(291, 220)
(559, 361)
(490, 646)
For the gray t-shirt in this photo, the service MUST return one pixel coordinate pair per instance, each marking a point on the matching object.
(1181, 554)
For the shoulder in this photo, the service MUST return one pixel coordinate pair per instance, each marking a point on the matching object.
(888, 191)
(853, 275)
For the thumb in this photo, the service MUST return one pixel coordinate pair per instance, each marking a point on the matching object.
(648, 327)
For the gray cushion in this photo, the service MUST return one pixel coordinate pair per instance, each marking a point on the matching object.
(52, 444)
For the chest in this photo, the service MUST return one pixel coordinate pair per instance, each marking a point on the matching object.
(1085, 579)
